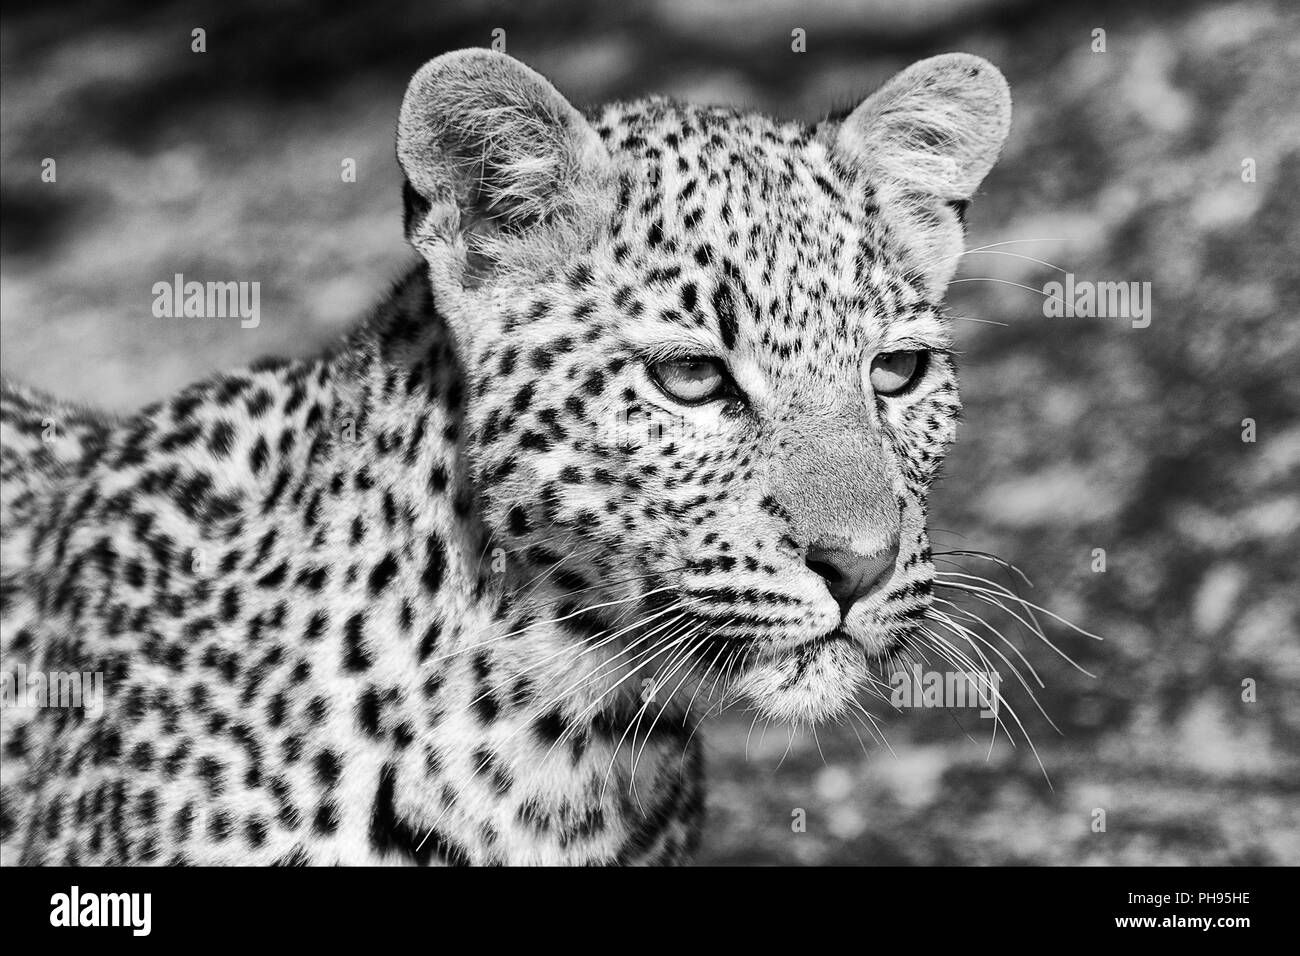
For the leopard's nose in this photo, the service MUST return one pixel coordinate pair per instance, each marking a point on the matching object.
(849, 574)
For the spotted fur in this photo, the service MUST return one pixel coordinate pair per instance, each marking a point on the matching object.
(459, 590)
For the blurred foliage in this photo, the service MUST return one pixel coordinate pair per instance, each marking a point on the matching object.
(1078, 433)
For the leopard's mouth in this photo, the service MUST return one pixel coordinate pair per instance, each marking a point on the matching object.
(807, 667)
(872, 643)
(875, 645)
(815, 680)
(817, 644)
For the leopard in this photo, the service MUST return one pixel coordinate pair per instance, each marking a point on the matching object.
(646, 429)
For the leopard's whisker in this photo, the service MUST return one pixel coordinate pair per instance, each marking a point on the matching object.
(757, 714)
(1010, 708)
(931, 261)
(987, 556)
(632, 578)
(968, 634)
(721, 676)
(461, 649)
(1011, 242)
(976, 619)
(722, 647)
(1018, 285)
(852, 724)
(989, 597)
(792, 727)
(635, 720)
(531, 587)
(592, 644)
(433, 827)
(689, 659)
(870, 725)
(999, 586)
(632, 665)
(630, 659)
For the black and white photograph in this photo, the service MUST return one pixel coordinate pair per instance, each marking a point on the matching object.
(798, 435)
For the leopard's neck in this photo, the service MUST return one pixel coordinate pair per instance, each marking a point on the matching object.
(501, 721)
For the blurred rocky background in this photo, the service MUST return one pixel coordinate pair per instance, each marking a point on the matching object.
(1079, 434)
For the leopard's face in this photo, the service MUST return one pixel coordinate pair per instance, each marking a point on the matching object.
(714, 420)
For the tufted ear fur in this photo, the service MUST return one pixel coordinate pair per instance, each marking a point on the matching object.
(503, 174)
(926, 139)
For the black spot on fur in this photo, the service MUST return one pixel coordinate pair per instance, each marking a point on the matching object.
(355, 655)
(434, 564)
(724, 308)
(391, 834)
(382, 574)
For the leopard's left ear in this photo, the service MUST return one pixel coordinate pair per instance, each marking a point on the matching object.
(927, 138)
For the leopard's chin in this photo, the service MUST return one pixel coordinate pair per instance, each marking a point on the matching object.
(812, 683)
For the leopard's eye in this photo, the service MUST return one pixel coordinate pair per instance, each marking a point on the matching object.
(893, 373)
(690, 381)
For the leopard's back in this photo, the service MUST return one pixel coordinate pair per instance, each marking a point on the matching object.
(45, 446)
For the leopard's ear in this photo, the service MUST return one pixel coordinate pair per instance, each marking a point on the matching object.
(927, 138)
(502, 172)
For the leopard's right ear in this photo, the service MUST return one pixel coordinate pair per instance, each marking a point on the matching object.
(503, 174)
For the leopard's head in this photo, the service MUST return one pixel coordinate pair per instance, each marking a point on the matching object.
(710, 383)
